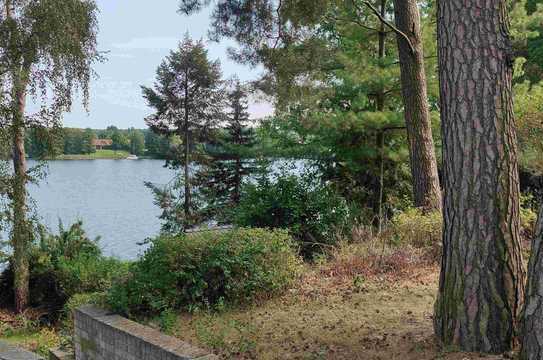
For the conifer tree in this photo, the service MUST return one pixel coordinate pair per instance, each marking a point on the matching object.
(188, 100)
(286, 37)
(481, 281)
(229, 157)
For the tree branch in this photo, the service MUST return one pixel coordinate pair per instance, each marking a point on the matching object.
(387, 23)
(355, 21)
(279, 24)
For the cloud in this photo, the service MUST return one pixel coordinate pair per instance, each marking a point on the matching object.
(148, 43)
(120, 93)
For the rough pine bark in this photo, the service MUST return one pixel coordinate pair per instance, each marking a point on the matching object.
(532, 321)
(426, 190)
(481, 282)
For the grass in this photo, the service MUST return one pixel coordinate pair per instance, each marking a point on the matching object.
(365, 302)
(99, 154)
(319, 323)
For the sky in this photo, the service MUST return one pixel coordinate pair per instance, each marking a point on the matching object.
(138, 34)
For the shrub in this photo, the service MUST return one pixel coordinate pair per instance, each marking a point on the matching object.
(207, 268)
(412, 227)
(312, 212)
(528, 216)
(415, 228)
(79, 300)
(61, 266)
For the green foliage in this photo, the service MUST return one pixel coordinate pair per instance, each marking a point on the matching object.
(137, 142)
(413, 227)
(526, 27)
(188, 99)
(50, 46)
(528, 215)
(157, 146)
(44, 143)
(230, 159)
(64, 265)
(78, 300)
(528, 110)
(206, 269)
(41, 142)
(120, 140)
(312, 212)
(187, 95)
(45, 340)
(78, 141)
(87, 146)
(167, 320)
(98, 154)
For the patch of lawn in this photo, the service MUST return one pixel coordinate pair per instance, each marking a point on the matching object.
(99, 154)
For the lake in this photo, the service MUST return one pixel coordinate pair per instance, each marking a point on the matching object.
(108, 195)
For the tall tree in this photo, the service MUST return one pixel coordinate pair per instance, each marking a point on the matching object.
(426, 189)
(188, 99)
(269, 30)
(47, 48)
(481, 282)
(41, 143)
(230, 157)
(137, 142)
(157, 146)
(119, 140)
(88, 138)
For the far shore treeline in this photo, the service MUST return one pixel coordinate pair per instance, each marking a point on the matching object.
(65, 142)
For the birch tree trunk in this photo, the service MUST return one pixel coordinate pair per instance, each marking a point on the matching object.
(426, 190)
(21, 236)
(481, 282)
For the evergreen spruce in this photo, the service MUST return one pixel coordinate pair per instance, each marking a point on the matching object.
(188, 98)
(230, 158)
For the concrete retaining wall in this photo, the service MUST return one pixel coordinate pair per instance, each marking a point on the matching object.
(103, 336)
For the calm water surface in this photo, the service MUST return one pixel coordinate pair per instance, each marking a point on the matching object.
(108, 195)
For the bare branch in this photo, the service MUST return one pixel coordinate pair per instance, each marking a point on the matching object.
(280, 33)
(355, 21)
(387, 23)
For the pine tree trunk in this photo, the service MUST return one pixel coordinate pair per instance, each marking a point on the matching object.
(21, 233)
(532, 321)
(480, 288)
(380, 106)
(426, 190)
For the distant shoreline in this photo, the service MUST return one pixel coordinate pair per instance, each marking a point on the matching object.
(98, 155)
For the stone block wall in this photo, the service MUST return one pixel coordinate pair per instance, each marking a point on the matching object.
(100, 335)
